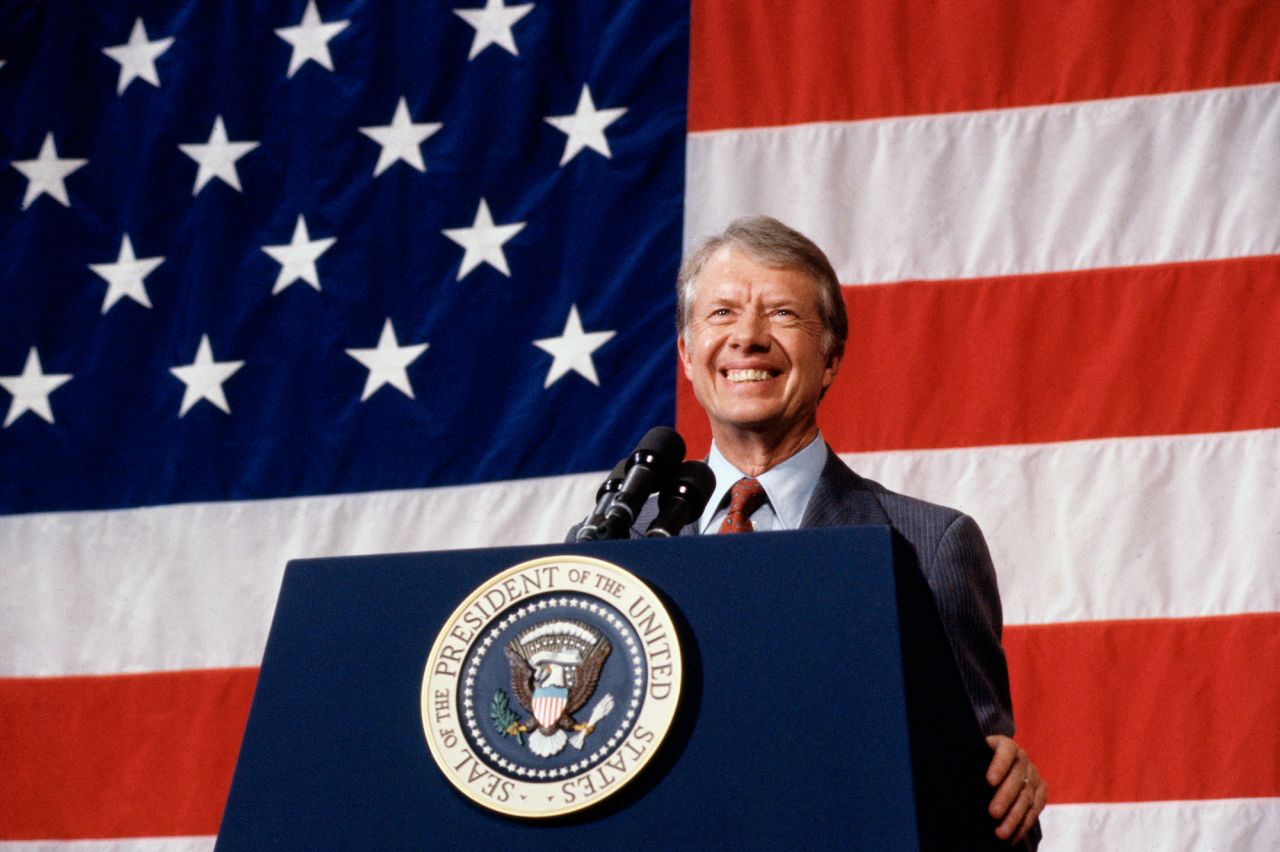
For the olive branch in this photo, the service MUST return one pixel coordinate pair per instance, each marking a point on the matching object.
(503, 717)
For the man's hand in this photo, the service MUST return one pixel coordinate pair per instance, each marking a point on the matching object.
(1020, 791)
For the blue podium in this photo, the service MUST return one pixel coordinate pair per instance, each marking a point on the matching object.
(820, 705)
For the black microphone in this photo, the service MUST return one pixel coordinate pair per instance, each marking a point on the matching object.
(650, 465)
(593, 526)
(683, 500)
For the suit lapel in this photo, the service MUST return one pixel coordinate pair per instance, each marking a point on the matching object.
(841, 498)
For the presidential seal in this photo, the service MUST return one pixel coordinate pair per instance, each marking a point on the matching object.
(551, 686)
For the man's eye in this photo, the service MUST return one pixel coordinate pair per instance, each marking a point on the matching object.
(720, 312)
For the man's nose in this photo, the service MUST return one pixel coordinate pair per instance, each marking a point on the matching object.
(750, 331)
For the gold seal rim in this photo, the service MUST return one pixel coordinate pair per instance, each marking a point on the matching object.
(677, 678)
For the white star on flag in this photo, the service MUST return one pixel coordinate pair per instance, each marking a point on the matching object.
(572, 350)
(585, 128)
(137, 57)
(125, 276)
(493, 25)
(46, 174)
(483, 242)
(31, 389)
(204, 377)
(310, 39)
(298, 259)
(217, 157)
(400, 139)
(387, 362)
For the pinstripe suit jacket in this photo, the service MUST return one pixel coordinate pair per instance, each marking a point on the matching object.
(954, 559)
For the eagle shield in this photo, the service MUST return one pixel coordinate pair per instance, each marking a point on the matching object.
(548, 705)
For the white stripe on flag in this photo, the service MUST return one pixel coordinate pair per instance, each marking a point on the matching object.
(1152, 527)
(1180, 177)
(127, 844)
(194, 585)
(1229, 825)
(1126, 528)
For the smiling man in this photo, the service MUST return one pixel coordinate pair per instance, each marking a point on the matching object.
(762, 328)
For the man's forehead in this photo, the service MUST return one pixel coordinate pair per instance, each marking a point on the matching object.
(732, 274)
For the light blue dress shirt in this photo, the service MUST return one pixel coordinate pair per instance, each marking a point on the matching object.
(787, 486)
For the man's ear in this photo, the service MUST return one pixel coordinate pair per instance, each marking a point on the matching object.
(833, 367)
(685, 359)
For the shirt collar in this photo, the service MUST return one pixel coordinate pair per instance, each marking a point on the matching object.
(788, 485)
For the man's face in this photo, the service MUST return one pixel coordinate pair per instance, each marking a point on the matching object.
(754, 352)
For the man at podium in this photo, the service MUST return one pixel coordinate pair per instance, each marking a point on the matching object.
(762, 327)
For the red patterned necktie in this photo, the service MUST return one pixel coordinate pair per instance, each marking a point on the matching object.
(745, 497)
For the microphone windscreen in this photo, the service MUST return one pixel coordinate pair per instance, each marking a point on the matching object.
(614, 480)
(683, 499)
(665, 444)
(697, 482)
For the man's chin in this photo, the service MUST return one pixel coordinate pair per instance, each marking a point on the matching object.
(754, 420)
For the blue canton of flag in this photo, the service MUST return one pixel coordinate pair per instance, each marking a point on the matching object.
(273, 249)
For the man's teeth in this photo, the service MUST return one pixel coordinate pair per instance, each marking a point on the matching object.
(748, 375)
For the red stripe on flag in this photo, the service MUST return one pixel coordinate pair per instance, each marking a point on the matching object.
(153, 754)
(1125, 711)
(120, 755)
(1158, 350)
(764, 63)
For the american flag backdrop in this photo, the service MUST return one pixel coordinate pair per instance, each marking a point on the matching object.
(312, 277)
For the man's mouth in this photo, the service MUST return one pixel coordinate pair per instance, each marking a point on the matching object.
(737, 376)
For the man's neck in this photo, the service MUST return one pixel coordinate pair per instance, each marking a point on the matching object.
(755, 452)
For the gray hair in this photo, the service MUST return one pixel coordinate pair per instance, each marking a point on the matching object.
(767, 241)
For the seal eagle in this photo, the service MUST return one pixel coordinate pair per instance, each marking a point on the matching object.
(554, 669)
